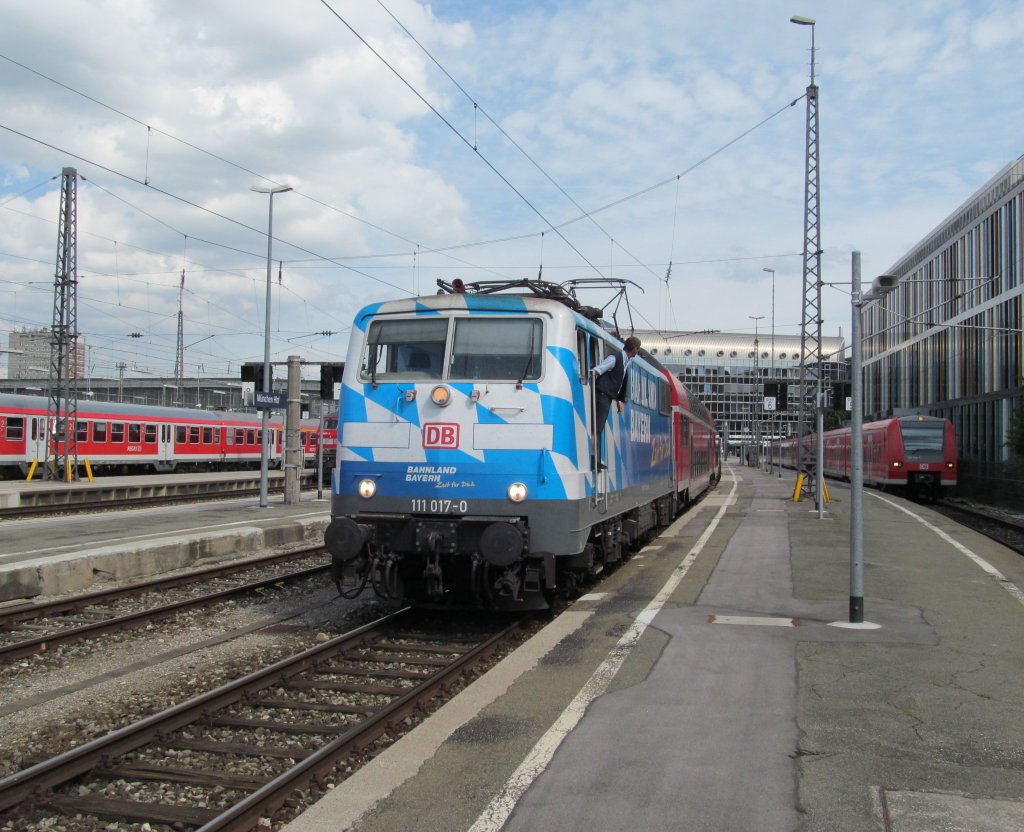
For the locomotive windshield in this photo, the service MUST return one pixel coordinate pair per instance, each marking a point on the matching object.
(923, 436)
(405, 349)
(502, 349)
(481, 349)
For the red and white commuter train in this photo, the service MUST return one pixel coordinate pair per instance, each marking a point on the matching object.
(916, 453)
(128, 438)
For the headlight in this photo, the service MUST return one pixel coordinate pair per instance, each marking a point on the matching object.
(517, 492)
(367, 488)
(441, 395)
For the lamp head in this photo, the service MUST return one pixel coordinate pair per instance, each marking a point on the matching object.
(276, 189)
(884, 283)
(802, 21)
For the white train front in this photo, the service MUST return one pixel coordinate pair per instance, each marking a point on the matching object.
(466, 473)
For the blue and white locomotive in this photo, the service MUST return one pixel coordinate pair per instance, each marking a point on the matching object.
(468, 472)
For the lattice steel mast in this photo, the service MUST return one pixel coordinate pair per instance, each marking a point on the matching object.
(61, 461)
(811, 366)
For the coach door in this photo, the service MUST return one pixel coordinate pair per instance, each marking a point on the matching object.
(165, 444)
(35, 448)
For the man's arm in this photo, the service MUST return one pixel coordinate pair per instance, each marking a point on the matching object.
(604, 366)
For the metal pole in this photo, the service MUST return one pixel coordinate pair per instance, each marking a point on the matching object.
(265, 444)
(773, 417)
(756, 414)
(320, 457)
(819, 477)
(856, 456)
(294, 453)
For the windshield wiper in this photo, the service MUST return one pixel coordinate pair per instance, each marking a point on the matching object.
(529, 364)
(374, 356)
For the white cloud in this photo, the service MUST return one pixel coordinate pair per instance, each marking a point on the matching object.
(609, 98)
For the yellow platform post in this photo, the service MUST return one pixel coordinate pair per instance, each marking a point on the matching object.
(799, 487)
(32, 469)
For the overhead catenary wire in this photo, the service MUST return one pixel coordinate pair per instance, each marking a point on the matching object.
(334, 261)
(440, 250)
(461, 137)
(192, 146)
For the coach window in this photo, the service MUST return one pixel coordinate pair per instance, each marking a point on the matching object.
(150, 434)
(239, 436)
(503, 349)
(15, 428)
(664, 398)
(99, 431)
(216, 436)
(134, 434)
(82, 431)
(207, 436)
(117, 431)
(193, 434)
(250, 437)
(180, 434)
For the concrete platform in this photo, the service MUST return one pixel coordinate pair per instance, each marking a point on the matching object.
(709, 685)
(40, 492)
(50, 556)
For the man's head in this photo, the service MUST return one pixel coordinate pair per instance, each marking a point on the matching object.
(632, 345)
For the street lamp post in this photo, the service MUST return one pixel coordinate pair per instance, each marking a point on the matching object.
(773, 418)
(755, 428)
(881, 286)
(265, 443)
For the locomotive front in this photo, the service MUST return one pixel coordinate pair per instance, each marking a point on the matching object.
(459, 446)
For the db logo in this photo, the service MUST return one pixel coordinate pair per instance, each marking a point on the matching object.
(440, 435)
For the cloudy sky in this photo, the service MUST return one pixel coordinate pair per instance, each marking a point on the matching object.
(660, 141)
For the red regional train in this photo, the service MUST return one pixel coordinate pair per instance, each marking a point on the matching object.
(127, 438)
(915, 453)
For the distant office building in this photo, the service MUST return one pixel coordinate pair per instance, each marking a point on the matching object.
(731, 373)
(948, 341)
(30, 355)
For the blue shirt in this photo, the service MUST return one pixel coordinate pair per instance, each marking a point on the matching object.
(609, 362)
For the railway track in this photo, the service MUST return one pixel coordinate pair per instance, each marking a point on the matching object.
(227, 758)
(26, 629)
(1003, 528)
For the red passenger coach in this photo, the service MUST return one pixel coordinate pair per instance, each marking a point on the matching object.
(696, 442)
(129, 438)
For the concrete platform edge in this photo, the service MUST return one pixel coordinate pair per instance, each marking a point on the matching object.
(60, 574)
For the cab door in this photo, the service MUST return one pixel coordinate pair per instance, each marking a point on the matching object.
(589, 353)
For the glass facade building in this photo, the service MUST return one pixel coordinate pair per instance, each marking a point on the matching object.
(729, 371)
(948, 340)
